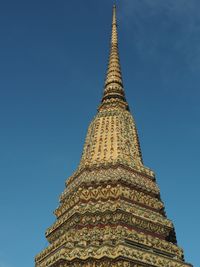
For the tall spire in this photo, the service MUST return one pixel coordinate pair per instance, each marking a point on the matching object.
(112, 136)
(110, 213)
(113, 87)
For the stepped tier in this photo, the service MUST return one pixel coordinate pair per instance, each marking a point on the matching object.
(110, 213)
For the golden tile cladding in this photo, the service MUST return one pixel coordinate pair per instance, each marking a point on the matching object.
(98, 235)
(147, 258)
(112, 137)
(110, 213)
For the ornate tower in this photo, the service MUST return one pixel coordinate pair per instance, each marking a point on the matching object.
(110, 213)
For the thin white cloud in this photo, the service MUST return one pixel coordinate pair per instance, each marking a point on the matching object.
(182, 16)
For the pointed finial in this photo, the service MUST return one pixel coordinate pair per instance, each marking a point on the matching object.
(114, 39)
(113, 88)
(114, 21)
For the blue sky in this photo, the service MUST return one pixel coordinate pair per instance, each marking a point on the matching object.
(53, 57)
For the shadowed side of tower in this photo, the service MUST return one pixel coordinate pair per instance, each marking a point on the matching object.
(110, 213)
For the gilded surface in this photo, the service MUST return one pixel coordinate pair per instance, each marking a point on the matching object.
(134, 212)
(112, 137)
(110, 213)
(100, 236)
(112, 173)
(107, 218)
(106, 192)
(112, 252)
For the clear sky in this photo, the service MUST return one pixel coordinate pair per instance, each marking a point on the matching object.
(53, 57)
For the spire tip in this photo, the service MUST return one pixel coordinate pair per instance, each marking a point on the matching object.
(114, 20)
(113, 87)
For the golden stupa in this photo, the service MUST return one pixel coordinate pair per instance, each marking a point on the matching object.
(110, 213)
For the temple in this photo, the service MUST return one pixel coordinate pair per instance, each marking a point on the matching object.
(110, 213)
